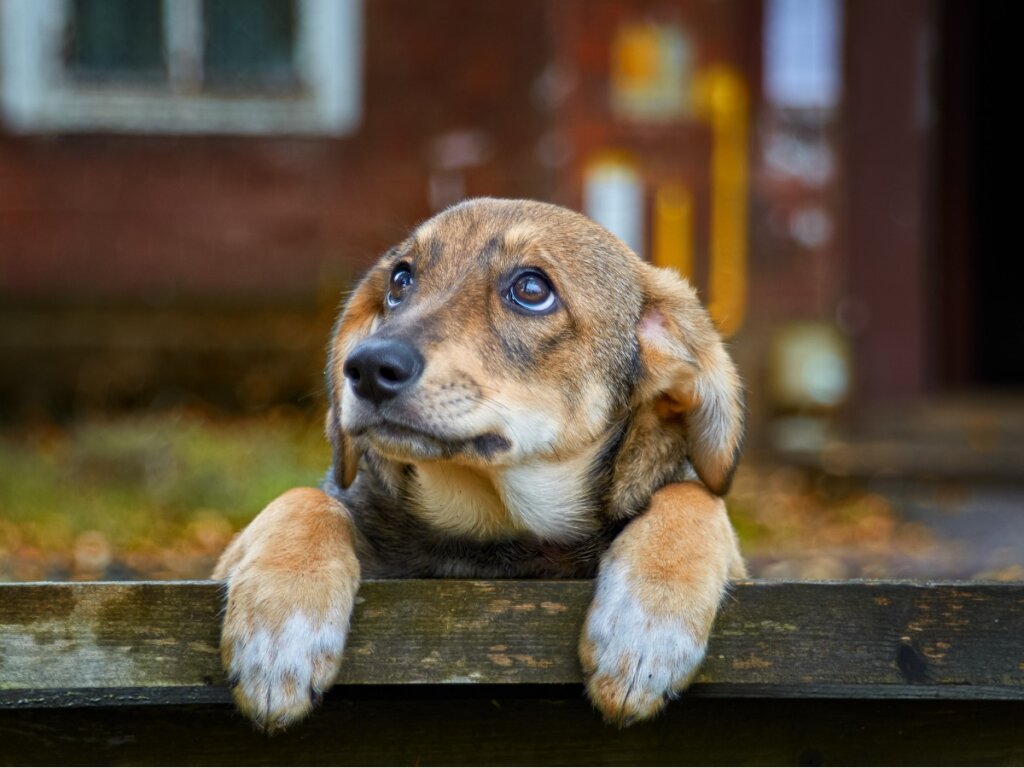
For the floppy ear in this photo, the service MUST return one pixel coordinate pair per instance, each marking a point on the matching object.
(689, 376)
(355, 323)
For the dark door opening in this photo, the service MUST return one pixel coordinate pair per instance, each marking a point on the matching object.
(979, 330)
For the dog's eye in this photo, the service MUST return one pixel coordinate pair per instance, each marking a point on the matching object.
(532, 291)
(401, 282)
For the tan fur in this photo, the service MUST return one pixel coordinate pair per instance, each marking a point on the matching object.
(628, 368)
(463, 500)
(354, 324)
(678, 556)
(695, 375)
(296, 556)
(680, 553)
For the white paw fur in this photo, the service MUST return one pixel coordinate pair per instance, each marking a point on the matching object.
(633, 658)
(281, 661)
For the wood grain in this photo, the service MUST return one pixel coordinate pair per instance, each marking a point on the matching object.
(157, 642)
(524, 725)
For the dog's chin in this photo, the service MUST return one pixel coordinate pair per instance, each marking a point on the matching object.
(404, 443)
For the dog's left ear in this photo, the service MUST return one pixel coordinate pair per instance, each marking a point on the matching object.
(355, 323)
(689, 376)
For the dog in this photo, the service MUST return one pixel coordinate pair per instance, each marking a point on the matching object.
(512, 393)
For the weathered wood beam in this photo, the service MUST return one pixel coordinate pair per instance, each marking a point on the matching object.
(156, 642)
(476, 725)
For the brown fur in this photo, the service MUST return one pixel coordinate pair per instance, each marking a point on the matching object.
(297, 555)
(679, 555)
(522, 449)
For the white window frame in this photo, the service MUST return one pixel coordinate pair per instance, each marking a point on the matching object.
(37, 96)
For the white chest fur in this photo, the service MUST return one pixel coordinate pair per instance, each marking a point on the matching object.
(548, 498)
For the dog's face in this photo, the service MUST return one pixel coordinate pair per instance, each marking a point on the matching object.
(512, 351)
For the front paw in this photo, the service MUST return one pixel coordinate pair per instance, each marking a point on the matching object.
(635, 655)
(281, 655)
(292, 577)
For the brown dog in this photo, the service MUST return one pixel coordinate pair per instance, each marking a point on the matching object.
(513, 393)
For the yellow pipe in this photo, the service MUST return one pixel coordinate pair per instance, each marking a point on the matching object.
(673, 228)
(721, 98)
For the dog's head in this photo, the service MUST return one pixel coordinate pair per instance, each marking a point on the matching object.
(528, 368)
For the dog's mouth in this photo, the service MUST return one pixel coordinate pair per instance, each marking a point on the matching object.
(403, 441)
(389, 435)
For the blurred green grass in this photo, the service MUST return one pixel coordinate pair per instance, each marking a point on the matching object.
(159, 494)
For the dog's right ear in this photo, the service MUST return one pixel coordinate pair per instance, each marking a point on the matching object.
(690, 376)
(357, 321)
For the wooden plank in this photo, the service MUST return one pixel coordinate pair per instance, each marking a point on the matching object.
(917, 458)
(156, 642)
(524, 725)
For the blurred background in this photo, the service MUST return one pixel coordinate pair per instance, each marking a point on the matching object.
(188, 188)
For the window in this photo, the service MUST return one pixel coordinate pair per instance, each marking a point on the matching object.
(181, 66)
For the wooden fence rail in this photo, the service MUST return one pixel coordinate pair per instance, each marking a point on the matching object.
(485, 671)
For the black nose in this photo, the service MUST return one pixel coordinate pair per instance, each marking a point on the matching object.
(379, 369)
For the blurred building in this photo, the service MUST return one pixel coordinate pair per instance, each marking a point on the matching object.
(187, 187)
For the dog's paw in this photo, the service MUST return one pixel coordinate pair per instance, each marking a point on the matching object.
(292, 577)
(635, 656)
(280, 657)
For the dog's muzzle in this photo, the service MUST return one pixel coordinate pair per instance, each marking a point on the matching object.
(380, 369)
